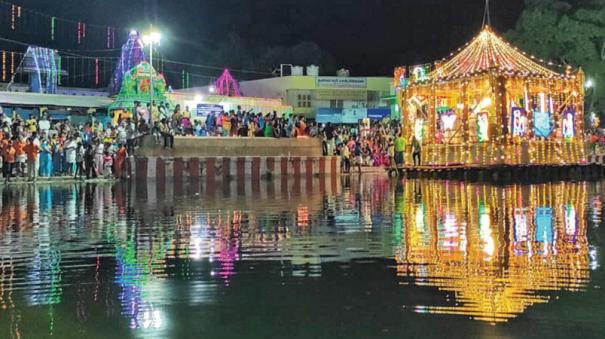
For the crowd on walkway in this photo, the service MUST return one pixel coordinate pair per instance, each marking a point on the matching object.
(379, 145)
(37, 147)
(235, 123)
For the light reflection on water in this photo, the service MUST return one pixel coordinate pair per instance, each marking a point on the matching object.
(135, 257)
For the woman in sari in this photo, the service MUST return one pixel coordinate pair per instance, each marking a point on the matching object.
(46, 161)
(119, 161)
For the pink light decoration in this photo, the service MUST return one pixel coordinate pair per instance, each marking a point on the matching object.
(226, 85)
(79, 31)
(108, 37)
(97, 71)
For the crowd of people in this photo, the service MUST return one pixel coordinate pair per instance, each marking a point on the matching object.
(379, 145)
(168, 123)
(37, 147)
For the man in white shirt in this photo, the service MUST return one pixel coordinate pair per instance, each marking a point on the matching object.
(4, 118)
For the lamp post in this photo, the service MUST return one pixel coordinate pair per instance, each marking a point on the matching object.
(589, 88)
(151, 39)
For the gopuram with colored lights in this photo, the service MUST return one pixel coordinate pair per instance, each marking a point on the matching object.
(490, 105)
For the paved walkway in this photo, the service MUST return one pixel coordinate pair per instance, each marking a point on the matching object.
(53, 180)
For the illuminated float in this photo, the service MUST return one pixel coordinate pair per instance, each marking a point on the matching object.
(490, 104)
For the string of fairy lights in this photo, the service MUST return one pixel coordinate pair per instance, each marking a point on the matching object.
(90, 61)
(487, 51)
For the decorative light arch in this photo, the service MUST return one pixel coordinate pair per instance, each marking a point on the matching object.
(227, 85)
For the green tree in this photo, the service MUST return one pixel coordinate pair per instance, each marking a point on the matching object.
(568, 32)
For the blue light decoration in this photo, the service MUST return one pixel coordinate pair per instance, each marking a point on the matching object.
(131, 55)
(43, 68)
(542, 124)
(544, 231)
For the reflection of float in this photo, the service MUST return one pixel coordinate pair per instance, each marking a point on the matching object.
(492, 280)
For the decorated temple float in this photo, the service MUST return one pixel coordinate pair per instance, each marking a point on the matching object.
(136, 86)
(491, 105)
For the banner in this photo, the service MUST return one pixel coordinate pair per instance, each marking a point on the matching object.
(447, 118)
(542, 124)
(482, 127)
(341, 94)
(568, 123)
(353, 115)
(331, 115)
(203, 110)
(519, 122)
(341, 82)
(379, 113)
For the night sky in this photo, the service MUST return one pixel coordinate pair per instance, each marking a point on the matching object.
(369, 37)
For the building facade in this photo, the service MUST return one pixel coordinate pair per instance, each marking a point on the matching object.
(328, 98)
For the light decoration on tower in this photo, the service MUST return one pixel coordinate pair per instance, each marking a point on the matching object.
(97, 71)
(53, 23)
(13, 17)
(108, 37)
(3, 65)
(488, 52)
(226, 85)
(131, 55)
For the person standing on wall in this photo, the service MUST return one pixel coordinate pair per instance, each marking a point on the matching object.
(329, 135)
(399, 149)
(32, 150)
(416, 149)
(9, 157)
(89, 162)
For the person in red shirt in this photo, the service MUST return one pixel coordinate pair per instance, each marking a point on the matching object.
(20, 156)
(9, 155)
(32, 150)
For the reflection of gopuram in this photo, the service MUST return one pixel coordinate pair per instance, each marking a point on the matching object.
(500, 250)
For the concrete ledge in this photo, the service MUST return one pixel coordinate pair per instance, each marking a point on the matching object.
(231, 167)
(231, 147)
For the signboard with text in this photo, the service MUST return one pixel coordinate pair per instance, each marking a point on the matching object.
(353, 115)
(341, 82)
(203, 110)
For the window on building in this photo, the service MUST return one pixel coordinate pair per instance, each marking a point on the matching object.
(304, 100)
(373, 99)
(336, 104)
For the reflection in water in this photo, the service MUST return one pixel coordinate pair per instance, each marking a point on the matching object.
(127, 254)
(496, 248)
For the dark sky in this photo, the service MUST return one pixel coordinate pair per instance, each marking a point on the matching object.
(367, 36)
